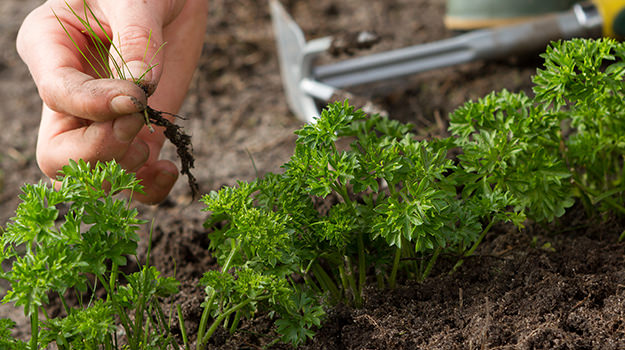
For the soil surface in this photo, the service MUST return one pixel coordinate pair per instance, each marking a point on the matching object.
(557, 286)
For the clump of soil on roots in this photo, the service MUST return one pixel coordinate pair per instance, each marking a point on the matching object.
(180, 139)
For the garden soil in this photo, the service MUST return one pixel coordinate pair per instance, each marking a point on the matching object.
(556, 286)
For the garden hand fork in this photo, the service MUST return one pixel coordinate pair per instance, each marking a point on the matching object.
(304, 82)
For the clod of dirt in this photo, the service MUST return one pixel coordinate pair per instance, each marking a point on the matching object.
(349, 43)
(182, 141)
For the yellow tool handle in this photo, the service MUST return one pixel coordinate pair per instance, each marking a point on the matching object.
(613, 14)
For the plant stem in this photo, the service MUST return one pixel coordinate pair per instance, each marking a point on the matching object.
(325, 281)
(109, 343)
(343, 278)
(34, 329)
(183, 329)
(161, 320)
(211, 299)
(349, 270)
(235, 322)
(392, 279)
(311, 283)
(234, 248)
(479, 240)
(408, 251)
(611, 202)
(362, 264)
(474, 247)
(342, 191)
(125, 321)
(433, 259)
(64, 302)
(379, 276)
(146, 329)
(112, 279)
(225, 314)
(204, 320)
(134, 337)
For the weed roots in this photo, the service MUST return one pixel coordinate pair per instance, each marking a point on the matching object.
(182, 141)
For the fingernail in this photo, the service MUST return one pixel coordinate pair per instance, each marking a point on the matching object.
(125, 128)
(165, 179)
(125, 104)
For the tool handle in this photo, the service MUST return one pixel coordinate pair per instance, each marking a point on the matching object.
(483, 44)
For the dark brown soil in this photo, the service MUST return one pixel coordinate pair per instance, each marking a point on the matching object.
(558, 286)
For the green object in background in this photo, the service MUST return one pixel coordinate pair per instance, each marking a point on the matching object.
(472, 14)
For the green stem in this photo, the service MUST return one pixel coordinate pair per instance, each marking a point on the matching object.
(34, 329)
(235, 322)
(474, 247)
(211, 299)
(204, 320)
(109, 343)
(479, 240)
(611, 202)
(112, 280)
(183, 329)
(138, 327)
(379, 276)
(312, 285)
(125, 321)
(362, 264)
(160, 318)
(225, 314)
(349, 271)
(234, 248)
(326, 282)
(64, 302)
(343, 278)
(148, 325)
(393, 278)
(342, 191)
(433, 259)
(408, 251)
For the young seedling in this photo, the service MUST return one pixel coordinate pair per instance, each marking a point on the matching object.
(107, 61)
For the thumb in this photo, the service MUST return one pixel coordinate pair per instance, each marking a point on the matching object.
(137, 53)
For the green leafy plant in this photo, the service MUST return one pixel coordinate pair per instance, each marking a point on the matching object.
(509, 144)
(257, 264)
(362, 198)
(393, 207)
(75, 255)
(581, 86)
(565, 142)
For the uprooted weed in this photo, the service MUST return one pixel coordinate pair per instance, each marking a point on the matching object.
(101, 58)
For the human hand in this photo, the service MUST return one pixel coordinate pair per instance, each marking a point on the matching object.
(98, 119)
